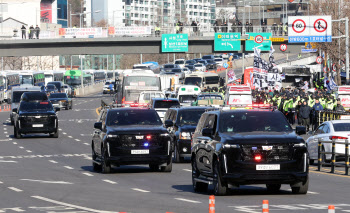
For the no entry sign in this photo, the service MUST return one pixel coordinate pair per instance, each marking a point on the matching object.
(319, 60)
(320, 25)
(283, 47)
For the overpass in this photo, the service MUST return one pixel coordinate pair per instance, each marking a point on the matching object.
(117, 45)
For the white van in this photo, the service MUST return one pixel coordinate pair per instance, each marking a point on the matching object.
(146, 97)
(187, 94)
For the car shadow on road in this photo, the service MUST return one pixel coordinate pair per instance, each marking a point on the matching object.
(124, 169)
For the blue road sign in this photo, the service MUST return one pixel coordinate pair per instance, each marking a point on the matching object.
(225, 65)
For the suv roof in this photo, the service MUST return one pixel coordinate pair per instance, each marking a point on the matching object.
(190, 108)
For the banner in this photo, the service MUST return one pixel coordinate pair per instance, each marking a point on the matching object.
(231, 76)
(46, 11)
(147, 30)
(82, 32)
(48, 34)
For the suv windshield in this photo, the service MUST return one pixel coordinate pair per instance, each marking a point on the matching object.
(50, 86)
(35, 106)
(240, 122)
(179, 62)
(133, 117)
(190, 117)
(165, 103)
(169, 66)
(58, 95)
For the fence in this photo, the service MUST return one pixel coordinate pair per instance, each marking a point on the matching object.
(327, 115)
(322, 155)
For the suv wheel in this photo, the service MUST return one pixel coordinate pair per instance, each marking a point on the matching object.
(17, 134)
(273, 187)
(220, 188)
(106, 166)
(168, 167)
(302, 189)
(95, 166)
(197, 186)
(55, 134)
(177, 157)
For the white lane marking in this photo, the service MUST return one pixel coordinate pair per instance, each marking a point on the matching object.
(1, 182)
(140, 190)
(28, 151)
(109, 181)
(87, 144)
(5, 128)
(15, 143)
(64, 133)
(309, 192)
(68, 167)
(85, 134)
(88, 174)
(5, 132)
(21, 147)
(77, 140)
(44, 181)
(7, 136)
(60, 129)
(187, 170)
(8, 161)
(70, 137)
(52, 161)
(4, 139)
(70, 205)
(186, 200)
(15, 189)
(10, 139)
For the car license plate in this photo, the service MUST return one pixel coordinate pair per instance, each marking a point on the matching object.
(140, 152)
(268, 167)
(38, 125)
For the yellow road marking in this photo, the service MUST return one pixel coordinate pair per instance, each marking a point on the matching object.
(97, 111)
(344, 176)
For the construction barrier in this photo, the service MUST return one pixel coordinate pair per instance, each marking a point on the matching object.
(322, 154)
(331, 209)
(5, 108)
(211, 204)
(265, 206)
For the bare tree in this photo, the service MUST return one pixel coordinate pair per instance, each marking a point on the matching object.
(102, 23)
(12, 63)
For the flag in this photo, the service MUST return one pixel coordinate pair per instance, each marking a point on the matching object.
(257, 59)
(332, 84)
(231, 76)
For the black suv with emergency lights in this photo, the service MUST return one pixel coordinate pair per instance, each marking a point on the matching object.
(127, 136)
(181, 123)
(35, 114)
(242, 147)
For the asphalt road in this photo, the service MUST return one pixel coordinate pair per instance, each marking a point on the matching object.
(42, 174)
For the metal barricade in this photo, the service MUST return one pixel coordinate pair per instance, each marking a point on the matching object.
(333, 163)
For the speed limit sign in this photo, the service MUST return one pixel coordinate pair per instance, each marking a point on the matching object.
(334, 67)
(299, 26)
(283, 47)
(259, 39)
(319, 60)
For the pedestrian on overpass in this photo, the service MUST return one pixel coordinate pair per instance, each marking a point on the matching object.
(234, 27)
(285, 29)
(274, 29)
(264, 27)
(157, 31)
(251, 27)
(240, 27)
(194, 27)
(31, 32)
(24, 31)
(37, 31)
(247, 27)
(280, 29)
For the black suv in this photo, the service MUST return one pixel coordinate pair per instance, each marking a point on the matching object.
(61, 100)
(35, 117)
(241, 147)
(129, 136)
(181, 123)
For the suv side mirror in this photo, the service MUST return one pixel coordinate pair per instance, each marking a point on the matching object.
(300, 130)
(98, 125)
(168, 123)
(207, 132)
(14, 110)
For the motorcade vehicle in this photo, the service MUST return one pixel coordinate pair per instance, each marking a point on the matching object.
(16, 95)
(169, 67)
(179, 72)
(58, 85)
(208, 57)
(245, 147)
(203, 80)
(187, 94)
(181, 123)
(208, 99)
(186, 70)
(33, 117)
(61, 100)
(200, 67)
(146, 97)
(219, 61)
(50, 88)
(161, 105)
(211, 64)
(335, 130)
(128, 136)
(180, 62)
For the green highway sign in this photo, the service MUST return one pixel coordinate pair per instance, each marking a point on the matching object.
(260, 40)
(227, 42)
(174, 43)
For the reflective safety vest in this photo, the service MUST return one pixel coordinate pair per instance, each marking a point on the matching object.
(157, 28)
(330, 105)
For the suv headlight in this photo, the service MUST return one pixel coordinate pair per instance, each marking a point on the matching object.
(299, 145)
(185, 136)
(112, 136)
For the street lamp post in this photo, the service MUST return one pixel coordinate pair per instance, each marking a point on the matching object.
(82, 14)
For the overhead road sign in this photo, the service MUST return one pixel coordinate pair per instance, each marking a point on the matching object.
(278, 39)
(260, 40)
(175, 43)
(309, 50)
(227, 42)
(309, 29)
(283, 47)
(319, 60)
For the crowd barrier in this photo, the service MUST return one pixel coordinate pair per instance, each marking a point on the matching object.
(5, 108)
(322, 155)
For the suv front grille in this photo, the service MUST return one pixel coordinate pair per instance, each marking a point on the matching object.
(130, 141)
(37, 119)
(279, 152)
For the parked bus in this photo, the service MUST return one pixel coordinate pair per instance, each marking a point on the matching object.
(51, 75)
(35, 78)
(203, 80)
(132, 84)
(294, 75)
(10, 80)
(73, 78)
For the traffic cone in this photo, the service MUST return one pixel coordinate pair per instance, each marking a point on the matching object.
(265, 206)
(211, 204)
(331, 209)
(0, 108)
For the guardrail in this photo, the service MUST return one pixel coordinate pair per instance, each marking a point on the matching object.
(322, 154)
(327, 115)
